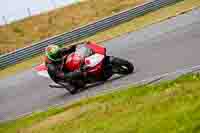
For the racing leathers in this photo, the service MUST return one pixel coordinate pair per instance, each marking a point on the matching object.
(56, 71)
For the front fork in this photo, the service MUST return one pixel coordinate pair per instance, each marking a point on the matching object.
(107, 70)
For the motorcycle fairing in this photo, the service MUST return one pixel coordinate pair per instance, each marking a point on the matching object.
(94, 60)
(42, 70)
(97, 48)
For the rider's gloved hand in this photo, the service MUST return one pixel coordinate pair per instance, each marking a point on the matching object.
(84, 68)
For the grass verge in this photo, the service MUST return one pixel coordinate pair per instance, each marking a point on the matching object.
(133, 25)
(170, 106)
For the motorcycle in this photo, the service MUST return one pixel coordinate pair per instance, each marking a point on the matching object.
(99, 67)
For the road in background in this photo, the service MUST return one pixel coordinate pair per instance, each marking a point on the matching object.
(160, 48)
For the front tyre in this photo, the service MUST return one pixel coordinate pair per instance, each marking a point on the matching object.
(121, 66)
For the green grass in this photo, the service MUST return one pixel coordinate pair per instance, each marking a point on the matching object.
(29, 120)
(170, 106)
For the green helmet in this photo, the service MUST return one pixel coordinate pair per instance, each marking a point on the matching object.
(52, 52)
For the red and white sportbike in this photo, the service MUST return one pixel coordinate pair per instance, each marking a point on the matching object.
(97, 64)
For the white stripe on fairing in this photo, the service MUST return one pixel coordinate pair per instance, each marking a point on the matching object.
(43, 74)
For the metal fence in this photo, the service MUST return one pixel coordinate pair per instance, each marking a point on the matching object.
(79, 33)
(29, 8)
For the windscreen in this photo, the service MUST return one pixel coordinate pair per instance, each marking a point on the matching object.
(83, 50)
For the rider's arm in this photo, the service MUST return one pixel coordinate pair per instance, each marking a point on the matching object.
(66, 51)
(52, 71)
(46, 60)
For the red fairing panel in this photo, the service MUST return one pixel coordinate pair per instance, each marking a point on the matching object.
(97, 48)
(97, 70)
(42, 70)
(41, 67)
(94, 62)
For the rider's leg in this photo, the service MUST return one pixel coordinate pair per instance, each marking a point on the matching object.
(77, 79)
(53, 73)
(77, 75)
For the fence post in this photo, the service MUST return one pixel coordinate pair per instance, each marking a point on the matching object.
(29, 12)
(53, 3)
(4, 19)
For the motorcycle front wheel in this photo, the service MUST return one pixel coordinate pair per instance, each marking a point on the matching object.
(121, 66)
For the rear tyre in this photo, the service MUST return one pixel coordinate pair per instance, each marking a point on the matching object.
(121, 66)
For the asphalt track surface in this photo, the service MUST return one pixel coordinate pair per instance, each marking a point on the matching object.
(160, 48)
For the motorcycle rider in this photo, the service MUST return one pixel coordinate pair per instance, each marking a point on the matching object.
(54, 60)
